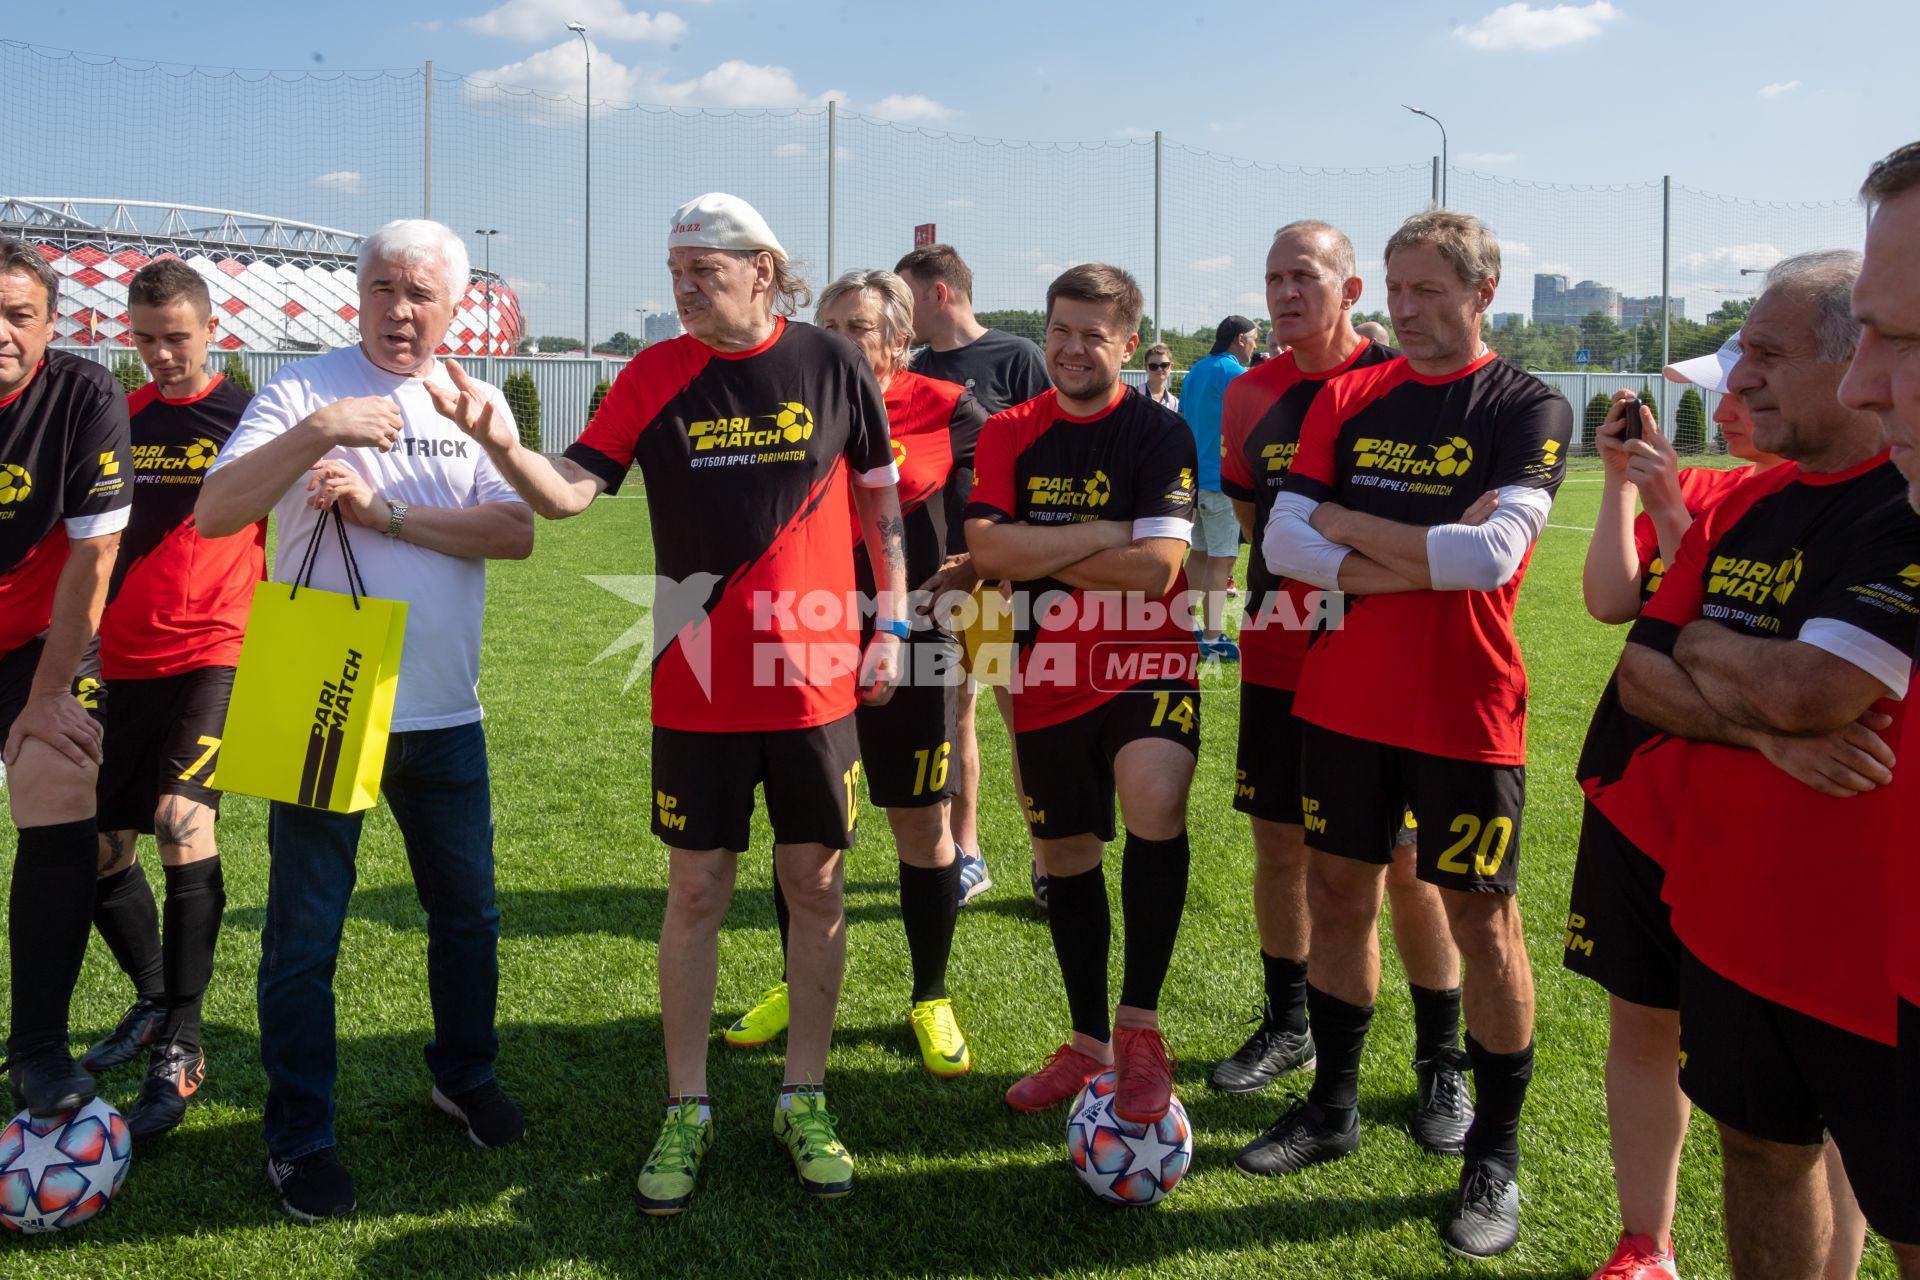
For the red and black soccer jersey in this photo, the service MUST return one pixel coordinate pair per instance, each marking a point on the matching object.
(65, 472)
(745, 457)
(1259, 430)
(178, 601)
(934, 426)
(1631, 772)
(1133, 461)
(1431, 671)
(1773, 885)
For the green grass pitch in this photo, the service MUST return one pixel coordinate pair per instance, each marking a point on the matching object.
(951, 1182)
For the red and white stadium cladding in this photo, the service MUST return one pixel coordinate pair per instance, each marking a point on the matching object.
(268, 305)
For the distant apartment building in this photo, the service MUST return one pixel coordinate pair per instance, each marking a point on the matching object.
(659, 327)
(1557, 302)
(1508, 320)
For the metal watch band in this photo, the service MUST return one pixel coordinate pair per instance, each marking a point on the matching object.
(396, 516)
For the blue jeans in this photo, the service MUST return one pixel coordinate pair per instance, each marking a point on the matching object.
(435, 782)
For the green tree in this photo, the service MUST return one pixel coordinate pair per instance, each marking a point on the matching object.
(599, 393)
(130, 373)
(1690, 424)
(550, 345)
(524, 399)
(236, 371)
(1596, 415)
(621, 344)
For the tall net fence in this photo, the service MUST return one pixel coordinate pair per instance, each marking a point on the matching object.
(282, 171)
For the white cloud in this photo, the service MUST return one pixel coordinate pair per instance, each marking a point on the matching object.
(912, 108)
(1492, 159)
(1779, 87)
(1131, 132)
(736, 84)
(1523, 27)
(560, 70)
(603, 19)
(1048, 269)
(1732, 257)
(959, 204)
(345, 181)
(1254, 303)
(523, 285)
(788, 150)
(1210, 264)
(1515, 249)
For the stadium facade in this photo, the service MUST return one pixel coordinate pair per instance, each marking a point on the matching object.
(280, 285)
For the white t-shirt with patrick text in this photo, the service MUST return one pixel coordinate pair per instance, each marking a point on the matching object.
(433, 464)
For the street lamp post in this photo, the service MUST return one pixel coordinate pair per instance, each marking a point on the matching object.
(487, 234)
(1443, 150)
(643, 313)
(586, 279)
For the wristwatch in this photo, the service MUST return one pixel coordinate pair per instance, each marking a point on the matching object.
(396, 516)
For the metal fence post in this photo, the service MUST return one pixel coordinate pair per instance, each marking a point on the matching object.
(426, 163)
(1666, 300)
(833, 165)
(1436, 184)
(1158, 223)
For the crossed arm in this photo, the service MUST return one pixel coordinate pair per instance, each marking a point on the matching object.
(1331, 546)
(1094, 555)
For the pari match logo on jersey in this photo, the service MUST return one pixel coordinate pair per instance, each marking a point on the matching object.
(1447, 459)
(15, 487)
(774, 436)
(171, 463)
(1751, 591)
(1279, 457)
(1058, 498)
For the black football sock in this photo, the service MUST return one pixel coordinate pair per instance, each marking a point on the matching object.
(1153, 894)
(929, 906)
(1286, 992)
(196, 895)
(1436, 1022)
(49, 912)
(129, 923)
(1082, 928)
(783, 918)
(1499, 1091)
(1339, 1033)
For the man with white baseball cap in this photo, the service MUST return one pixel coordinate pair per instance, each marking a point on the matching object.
(748, 430)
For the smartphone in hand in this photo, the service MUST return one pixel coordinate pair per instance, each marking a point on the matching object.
(1630, 419)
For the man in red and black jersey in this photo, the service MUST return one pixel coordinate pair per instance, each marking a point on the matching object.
(1781, 640)
(1884, 379)
(169, 640)
(1418, 488)
(907, 743)
(748, 430)
(65, 472)
(1083, 501)
(1312, 287)
(1000, 370)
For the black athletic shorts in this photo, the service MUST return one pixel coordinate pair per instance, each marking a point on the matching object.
(1619, 932)
(1778, 1075)
(162, 739)
(906, 743)
(1356, 794)
(1068, 767)
(1266, 766)
(703, 785)
(1909, 1094)
(17, 666)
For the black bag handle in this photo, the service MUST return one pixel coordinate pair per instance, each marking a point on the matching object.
(356, 585)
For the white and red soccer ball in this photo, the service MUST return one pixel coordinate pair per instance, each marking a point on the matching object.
(63, 1170)
(1122, 1162)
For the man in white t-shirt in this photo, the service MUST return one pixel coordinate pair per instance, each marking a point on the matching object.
(361, 429)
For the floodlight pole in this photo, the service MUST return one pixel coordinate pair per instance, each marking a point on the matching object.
(487, 234)
(1443, 150)
(586, 278)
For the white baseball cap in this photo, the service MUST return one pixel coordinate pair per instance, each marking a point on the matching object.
(720, 221)
(1711, 371)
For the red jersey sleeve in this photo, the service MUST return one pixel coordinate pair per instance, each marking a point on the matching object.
(993, 458)
(660, 372)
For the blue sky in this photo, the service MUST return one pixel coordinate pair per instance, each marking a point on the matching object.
(1749, 99)
(1754, 98)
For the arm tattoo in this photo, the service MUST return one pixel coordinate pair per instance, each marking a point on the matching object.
(175, 823)
(893, 540)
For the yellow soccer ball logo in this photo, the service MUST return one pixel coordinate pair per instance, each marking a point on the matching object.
(200, 453)
(1099, 489)
(15, 483)
(794, 422)
(1452, 457)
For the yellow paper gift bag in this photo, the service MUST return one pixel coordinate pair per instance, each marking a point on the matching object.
(313, 694)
